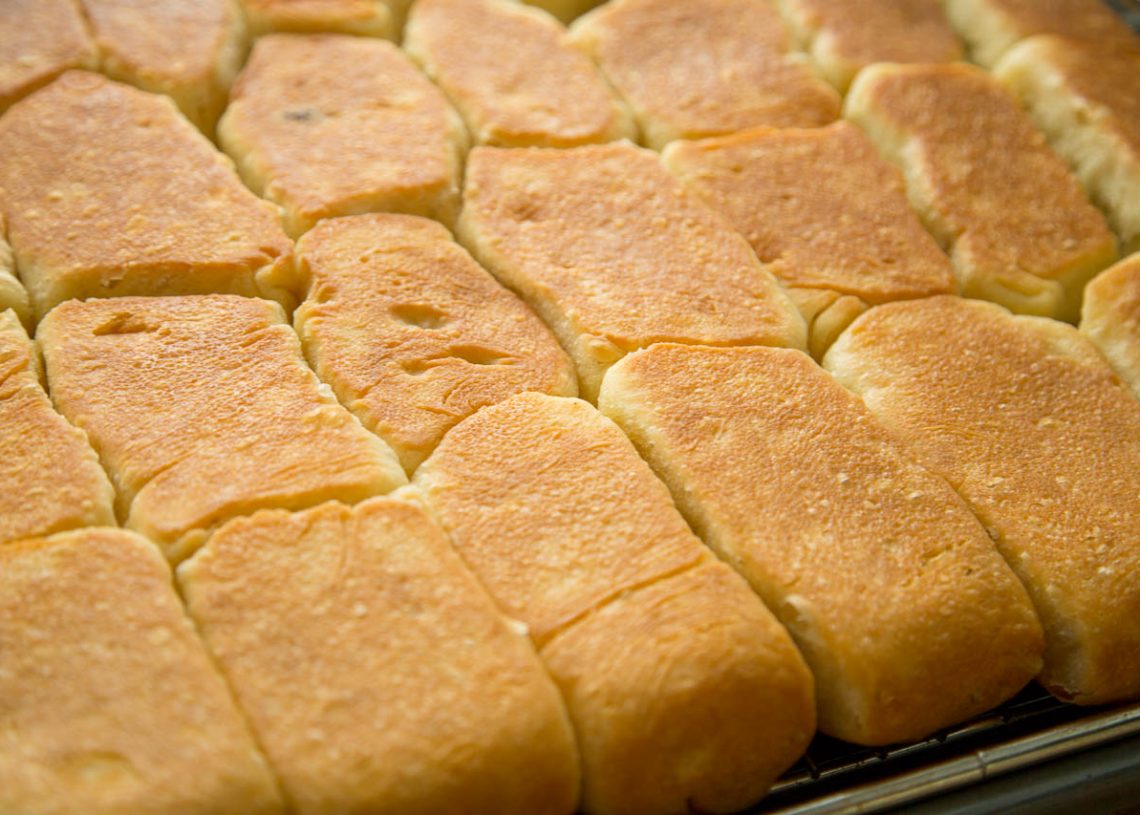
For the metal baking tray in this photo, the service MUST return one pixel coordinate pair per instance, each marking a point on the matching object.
(1031, 729)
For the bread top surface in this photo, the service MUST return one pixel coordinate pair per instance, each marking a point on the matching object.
(687, 694)
(704, 67)
(109, 700)
(1024, 418)
(548, 94)
(844, 37)
(330, 124)
(973, 159)
(610, 240)
(413, 334)
(1106, 81)
(165, 43)
(550, 506)
(406, 687)
(182, 394)
(863, 553)
(805, 198)
(101, 182)
(369, 17)
(1091, 20)
(50, 478)
(42, 39)
(1110, 317)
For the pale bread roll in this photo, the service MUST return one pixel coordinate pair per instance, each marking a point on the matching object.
(548, 94)
(1086, 99)
(827, 314)
(12, 293)
(189, 51)
(373, 18)
(704, 67)
(853, 235)
(50, 478)
(202, 408)
(908, 617)
(407, 691)
(564, 10)
(42, 39)
(109, 704)
(990, 27)
(1027, 422)
(683, 689)
(844, 38)
(109, 191)
(1110, 318)
(614, 254)
(1014, 220)
(412, 334)
(329, 125)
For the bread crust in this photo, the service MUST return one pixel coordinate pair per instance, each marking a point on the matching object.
(412, 334)
(1029, 424)
(202, 408)
(1110, 318)
(407, 691)
(42, 39)
(108, 701)
(905, 612)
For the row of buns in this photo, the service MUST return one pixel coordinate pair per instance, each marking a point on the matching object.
(411, 571)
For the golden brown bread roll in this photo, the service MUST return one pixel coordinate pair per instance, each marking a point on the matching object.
(375, 18)
(683, 689)
(42, 39)
(615, 255)
(188, 51)
(824, 213)
(109, 704)
(908, 617)
(202, 408)
(843, 38)
(1086, 99)
(412, 334)
(330, 124)
(109, 191)
(548, 94)
(1014, 220)
(990, 27)
(1110, 317)
(406, 692)
(704, 67)
(50, 478)
(1026, 421)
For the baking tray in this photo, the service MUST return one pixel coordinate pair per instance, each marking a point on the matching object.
(1031, 729)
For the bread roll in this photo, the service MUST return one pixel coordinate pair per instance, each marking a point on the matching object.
(683, 689)
(1111, 318)
(548, 94)
(908, 617)
(189, 51)
(822, 211)
(108, 191)
(12, 293)
(1086, 99)
(374, 18)
(330, 124)
(615, 255)
(990, 27)
(50, 478)
(407, 692)
(109, 704)
(704, 67)
(843, 38)
(412, 334)
(1016, 223)
(42, 39)
(1024, 418)
(201, 409)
